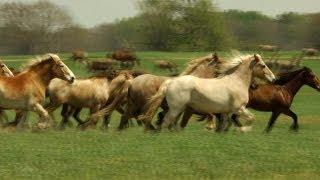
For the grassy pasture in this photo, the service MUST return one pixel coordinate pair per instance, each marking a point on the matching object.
(191, 154)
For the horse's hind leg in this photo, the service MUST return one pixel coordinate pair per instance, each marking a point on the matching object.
(65, 113)
(160, 117)
(185, 118)
(272, 119)
(170, 118)
(295, 125)
(93, 120)
(76, 116)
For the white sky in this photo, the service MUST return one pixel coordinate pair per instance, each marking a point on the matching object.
(92, 12)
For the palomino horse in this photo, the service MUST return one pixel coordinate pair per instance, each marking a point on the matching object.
(145, 86)
(26, 91)
(278, 97)
(92, 93)
(224, 95)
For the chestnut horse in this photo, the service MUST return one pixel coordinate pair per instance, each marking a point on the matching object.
(26, 91)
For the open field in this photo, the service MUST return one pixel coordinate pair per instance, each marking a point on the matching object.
(194, 153)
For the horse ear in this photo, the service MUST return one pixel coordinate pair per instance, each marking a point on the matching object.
(256, 57)
(215, 57)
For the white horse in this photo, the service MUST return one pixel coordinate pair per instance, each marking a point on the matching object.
(224, 95)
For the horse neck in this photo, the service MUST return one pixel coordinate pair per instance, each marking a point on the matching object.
(42, 74)
(244, 73)
(203, 72)
(294, 85)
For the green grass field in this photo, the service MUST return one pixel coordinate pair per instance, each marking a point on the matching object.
(194, 153)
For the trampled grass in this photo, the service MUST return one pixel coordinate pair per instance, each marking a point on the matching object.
(194, 153)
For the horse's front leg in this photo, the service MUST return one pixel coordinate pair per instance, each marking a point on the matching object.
(43, 123)
(246, 114)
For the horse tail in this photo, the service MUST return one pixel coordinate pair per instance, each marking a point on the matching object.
(154, 102)
(117, 95)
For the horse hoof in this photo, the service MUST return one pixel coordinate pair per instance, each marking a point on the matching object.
(245, 129)
(43, 125)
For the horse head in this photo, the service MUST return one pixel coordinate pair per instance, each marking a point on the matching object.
(310, 78)
(261, 70)
(61, 70)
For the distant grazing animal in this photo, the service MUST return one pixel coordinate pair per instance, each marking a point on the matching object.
(26, 91)
(125, 56)
(79, 55)
(163, 64)
(225, 95)
(310, 51)
(102, 65)
(269, 48)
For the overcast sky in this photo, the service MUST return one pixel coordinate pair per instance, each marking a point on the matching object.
(92, 12)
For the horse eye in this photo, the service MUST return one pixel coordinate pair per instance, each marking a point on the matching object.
(61, 65)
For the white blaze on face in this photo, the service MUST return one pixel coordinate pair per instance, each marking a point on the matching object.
(267, 72)
(67, 72)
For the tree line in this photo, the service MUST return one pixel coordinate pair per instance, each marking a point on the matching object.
(171, 25)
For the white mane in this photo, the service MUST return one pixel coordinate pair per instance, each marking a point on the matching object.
(236, 58)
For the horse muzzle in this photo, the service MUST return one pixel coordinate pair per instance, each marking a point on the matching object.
(71, 79)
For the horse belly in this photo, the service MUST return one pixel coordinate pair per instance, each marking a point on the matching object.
(216, 103)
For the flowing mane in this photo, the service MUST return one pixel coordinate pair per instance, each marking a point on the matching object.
(193, 64)
(227, 67)
(38, 60)
(283, 78)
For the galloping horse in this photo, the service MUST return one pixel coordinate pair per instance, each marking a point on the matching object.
(145, 86)
(226, 95)
(26, 91)
(92, 93)
(278, 97)
(4, 71)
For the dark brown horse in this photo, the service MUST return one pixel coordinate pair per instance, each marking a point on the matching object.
(278, 97)
(125, 56)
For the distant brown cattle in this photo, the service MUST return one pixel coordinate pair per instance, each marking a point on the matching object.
(310, 51)
(270, 48)
(164, 64)
(79, 54)
(102, 65)
(124, 56)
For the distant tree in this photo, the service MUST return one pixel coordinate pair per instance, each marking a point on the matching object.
(292, 30)
(313, 27)
(251, 28)
(30, 28)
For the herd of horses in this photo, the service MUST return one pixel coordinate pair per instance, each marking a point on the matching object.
(218, 90)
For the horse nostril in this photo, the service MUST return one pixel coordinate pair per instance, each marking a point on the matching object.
(72, 79)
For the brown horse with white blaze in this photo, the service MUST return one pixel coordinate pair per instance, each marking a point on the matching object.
(26, 91)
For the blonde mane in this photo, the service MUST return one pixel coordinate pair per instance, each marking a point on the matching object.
(39, 59)
(236, 59)
(193, 64)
